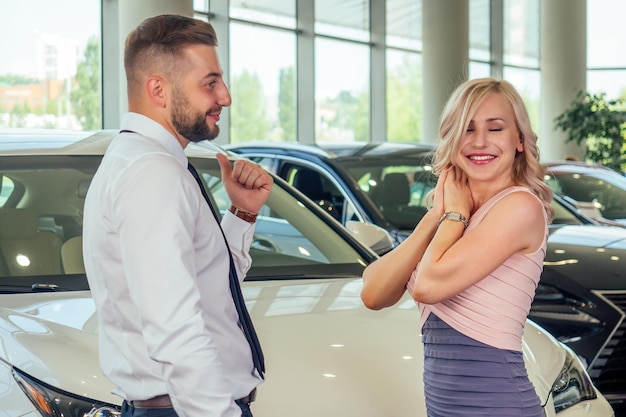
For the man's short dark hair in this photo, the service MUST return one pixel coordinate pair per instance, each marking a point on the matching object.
(160, 41)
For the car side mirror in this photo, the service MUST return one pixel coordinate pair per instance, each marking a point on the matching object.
(372, 236)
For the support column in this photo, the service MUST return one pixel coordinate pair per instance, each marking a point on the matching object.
(378, 72)
(446, 46)
(305, 73)
(563, 71)
(218, 17)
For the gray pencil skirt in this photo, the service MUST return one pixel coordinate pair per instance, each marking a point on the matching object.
(464, 377)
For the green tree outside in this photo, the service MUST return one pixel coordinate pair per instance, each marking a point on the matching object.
(19, 113)
(11, 79)
(349, 117)
(404, 102)
(16, 115)
(86, 97)
(361, 117)
(287, 104)
(601, 124)
(248, 109)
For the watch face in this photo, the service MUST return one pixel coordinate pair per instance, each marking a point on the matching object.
(454, 216)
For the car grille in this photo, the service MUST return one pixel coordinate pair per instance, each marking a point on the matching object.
(608, 371)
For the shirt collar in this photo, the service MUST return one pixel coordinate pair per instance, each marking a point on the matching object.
(145, 126)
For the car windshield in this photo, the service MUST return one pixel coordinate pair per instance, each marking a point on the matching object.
(604, 188)
(41, 206)
(400, 189)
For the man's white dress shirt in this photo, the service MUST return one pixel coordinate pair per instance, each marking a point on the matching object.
(158, 268)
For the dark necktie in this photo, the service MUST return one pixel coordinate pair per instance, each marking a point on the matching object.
(244, 317)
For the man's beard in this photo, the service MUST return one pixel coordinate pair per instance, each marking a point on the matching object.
(189, 124)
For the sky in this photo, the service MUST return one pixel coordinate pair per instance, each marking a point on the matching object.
(21, 20)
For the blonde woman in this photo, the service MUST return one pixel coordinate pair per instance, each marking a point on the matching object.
(473, 262)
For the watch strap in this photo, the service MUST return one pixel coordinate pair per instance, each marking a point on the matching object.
(243, 215)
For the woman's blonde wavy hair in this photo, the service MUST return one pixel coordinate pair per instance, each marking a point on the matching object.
(455, 119)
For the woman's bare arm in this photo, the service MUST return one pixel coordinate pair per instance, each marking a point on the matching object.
(455, 261)
(384, 280)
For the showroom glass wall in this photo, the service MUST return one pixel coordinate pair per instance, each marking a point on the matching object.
(50, 72)
(606, 49)
(264, 64)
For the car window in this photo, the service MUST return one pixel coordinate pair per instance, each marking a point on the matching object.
(319, 188)
(41, 234)
(423, 181)
(6, 188)
(386, 184)
(605, 189)
(399, 190)
(563, 215)
(41, 227)
(285, 228)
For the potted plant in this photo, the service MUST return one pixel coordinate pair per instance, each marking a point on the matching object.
(601, 123)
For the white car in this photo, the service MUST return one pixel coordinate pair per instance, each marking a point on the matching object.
(326, 354)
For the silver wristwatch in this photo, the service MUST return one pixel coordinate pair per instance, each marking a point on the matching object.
(455, 217)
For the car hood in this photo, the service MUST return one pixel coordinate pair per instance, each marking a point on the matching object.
(53, 337)
(350, 360)
(323, 348)
(593, 256)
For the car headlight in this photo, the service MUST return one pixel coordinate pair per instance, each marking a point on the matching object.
(573, 384)
(52, 402)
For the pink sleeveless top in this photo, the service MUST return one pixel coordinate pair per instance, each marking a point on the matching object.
(494, 310)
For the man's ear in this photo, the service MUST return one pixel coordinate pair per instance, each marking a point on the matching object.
(156, 90)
